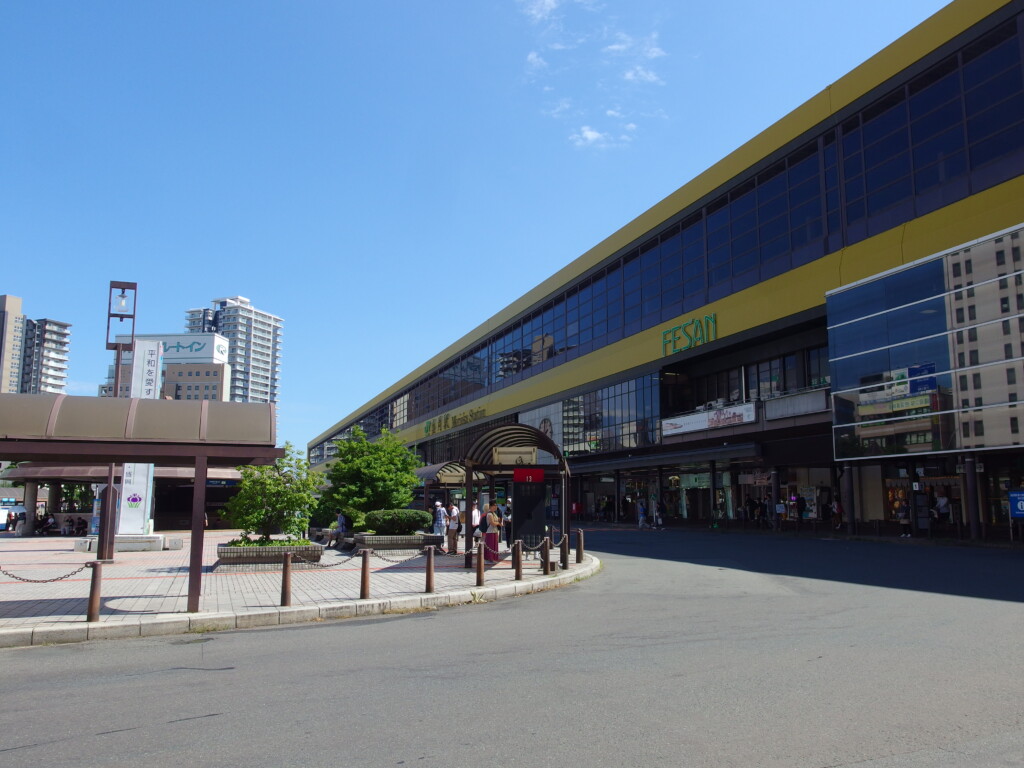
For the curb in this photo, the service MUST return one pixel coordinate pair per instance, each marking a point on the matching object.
(185, 623)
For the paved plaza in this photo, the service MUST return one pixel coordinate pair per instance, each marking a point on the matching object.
(145, 593)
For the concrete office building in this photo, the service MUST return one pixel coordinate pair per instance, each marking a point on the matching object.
(33, 353)
(254, 346)
(193, 367)
(835, 309)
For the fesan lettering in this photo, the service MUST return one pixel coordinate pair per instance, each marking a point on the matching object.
(689, 334)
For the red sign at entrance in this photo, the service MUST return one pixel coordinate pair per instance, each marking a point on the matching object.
(524, 475)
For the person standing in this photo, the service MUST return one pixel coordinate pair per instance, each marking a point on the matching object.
(943, 511)
(641, 513)
(340, 531)
(492, 533)
(453, 529)
(474, 520)
(837, 514)
(439, 518)
(506, 522)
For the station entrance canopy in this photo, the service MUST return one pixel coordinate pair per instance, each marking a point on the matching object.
(65, 430)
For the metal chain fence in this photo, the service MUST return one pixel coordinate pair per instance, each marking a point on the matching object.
(314, 564)
(42, 581)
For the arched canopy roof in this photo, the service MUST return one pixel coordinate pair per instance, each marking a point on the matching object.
(447, 472)
(481, 453)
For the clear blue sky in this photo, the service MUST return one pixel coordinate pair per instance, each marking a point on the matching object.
(383, 175)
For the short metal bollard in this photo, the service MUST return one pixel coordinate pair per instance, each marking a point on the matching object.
(429, 589)
(286, 580)
(480, 564)
(545, 556)
(517, 558)
(364, 582)
(579, 545)
(92, 611)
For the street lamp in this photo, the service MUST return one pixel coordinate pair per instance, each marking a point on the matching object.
(121, 307)
(121, 300)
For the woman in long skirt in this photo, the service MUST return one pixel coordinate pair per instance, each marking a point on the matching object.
(491, 534)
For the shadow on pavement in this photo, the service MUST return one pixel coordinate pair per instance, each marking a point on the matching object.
(994, 573)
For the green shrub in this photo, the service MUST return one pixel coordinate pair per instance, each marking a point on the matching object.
(398, 522)
(246, 541)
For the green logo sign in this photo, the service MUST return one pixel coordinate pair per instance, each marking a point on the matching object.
(691, 333)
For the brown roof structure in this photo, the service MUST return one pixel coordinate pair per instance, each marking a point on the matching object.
(66, 430)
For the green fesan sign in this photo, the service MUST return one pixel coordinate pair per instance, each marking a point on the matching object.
(691, 333)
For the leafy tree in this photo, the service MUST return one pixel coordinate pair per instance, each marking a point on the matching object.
(367, 476)
(277, 497)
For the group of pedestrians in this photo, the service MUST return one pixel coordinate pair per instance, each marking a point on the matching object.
(655, 520)
(449, 521)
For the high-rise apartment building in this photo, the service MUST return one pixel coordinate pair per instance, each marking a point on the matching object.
(12, 336)
(33, 353)
(254, 346)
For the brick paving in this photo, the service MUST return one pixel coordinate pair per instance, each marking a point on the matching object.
(147, 585)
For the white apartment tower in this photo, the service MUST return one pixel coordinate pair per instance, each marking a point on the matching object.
(33, 353)
(254, 341)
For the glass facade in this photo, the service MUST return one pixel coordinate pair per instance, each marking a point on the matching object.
(921, 142)
(927, 359)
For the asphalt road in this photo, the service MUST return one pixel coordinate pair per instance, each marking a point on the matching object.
(689, 649)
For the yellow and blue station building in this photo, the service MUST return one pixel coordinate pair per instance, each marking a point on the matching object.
(832, 312)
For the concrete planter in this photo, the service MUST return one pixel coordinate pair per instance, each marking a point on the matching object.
(250, 555)
(412, 541)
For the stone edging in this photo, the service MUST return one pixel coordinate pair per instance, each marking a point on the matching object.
(183, 623)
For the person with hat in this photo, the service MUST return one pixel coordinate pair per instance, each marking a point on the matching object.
(439, 518)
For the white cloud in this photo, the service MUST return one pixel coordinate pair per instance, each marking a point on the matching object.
(625, 42)
(651, 48)
(539, 10)
(560, 108)
(534, 62)
(588, 137)
(640, 74)
(613, 113)
(630, 126)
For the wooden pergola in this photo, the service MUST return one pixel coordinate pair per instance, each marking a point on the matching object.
(64, 430)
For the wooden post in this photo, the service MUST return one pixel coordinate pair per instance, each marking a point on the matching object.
(480, 563)
(286, 580)
(364, 582)
(195, 560)
(92, 611)
(430, 571)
